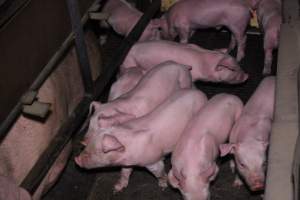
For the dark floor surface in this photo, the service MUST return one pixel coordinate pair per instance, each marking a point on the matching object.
(76, 184)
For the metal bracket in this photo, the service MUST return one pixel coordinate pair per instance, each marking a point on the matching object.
(32, 106)
(29, 97)
(98, 15)
(38, 109)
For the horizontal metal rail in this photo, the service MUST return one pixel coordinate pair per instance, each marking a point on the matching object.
(38, 82)
(69, 128)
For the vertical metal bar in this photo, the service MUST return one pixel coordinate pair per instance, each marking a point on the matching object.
(44, 74)
(80, 46)
(69, 128)
(125, 46)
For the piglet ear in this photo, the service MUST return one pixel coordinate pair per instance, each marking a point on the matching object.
(222, 50)
(210, 173)
(227, 63)
(94, 106)
(226, 149)
(111, 143)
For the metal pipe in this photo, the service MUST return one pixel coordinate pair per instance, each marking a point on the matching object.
(68, 129)
(47, 70)
(81, 51)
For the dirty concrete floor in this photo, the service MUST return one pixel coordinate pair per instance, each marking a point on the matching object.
(77, 184)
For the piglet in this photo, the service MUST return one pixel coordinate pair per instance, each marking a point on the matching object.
(126, 81)
(207, 65)
(270, 17)
(143, 141)
(194, 158)
(249, 137)
(184, 17)
(156, 86)
(123, 17)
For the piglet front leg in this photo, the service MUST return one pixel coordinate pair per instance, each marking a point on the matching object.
(124, 180)
(158, 170)
(237, 183)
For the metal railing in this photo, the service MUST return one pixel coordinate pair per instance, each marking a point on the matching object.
(70, 127)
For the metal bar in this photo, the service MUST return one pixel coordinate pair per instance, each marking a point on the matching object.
(285, 126)
(10, 9)
(44, 163)
(68, 129)
(111, 68)
(14, 114)
(47, 70)
(296, 161)
(80, 46)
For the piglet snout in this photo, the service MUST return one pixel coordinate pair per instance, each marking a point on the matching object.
(240, 78)
(258, 184)
(258, 187)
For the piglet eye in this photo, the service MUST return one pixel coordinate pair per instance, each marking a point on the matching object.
(241, 164)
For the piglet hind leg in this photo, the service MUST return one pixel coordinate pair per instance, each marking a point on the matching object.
(240, 38)
(158, 170)
(184, 33)
(232, 43)
(124, 180)
(237, 183)
(268, 62)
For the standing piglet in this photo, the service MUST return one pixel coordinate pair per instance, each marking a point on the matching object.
(157, 85)
(194, 158)
(143, 141)
(249, 137)
(270, 17)
(184, 17)
(207, 65)
(123, 17)
(128, 80)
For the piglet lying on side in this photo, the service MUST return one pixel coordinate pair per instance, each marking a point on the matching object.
(143, 141)
(207, 65)
(156, 86)
(194, 158)
(270, 17)
(249, 138)
(123, 17)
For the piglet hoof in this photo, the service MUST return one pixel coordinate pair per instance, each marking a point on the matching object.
(163, 183)
(237, 183)
(266, 71)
